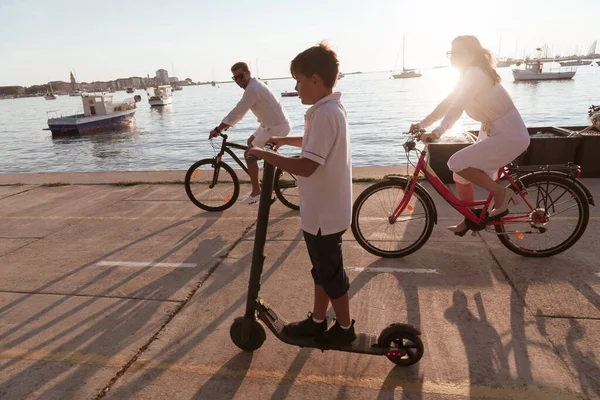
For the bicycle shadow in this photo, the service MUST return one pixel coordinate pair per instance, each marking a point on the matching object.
(551, 272)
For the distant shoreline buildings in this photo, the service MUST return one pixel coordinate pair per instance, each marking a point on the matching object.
(62, 87)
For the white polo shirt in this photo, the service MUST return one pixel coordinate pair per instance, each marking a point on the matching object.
(326, 196)
(259, 99)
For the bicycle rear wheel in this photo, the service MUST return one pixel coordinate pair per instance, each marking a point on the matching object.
(286, 189)
(557, 218)
(373, 229)
(199, 179)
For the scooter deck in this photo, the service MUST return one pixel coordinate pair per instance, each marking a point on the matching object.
(364, 343)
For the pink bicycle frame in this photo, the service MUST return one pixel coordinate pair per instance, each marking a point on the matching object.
(463, 207)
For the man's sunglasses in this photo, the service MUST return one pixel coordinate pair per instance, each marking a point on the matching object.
(238, 76)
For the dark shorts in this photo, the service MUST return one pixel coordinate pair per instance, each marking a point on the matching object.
(328, 266)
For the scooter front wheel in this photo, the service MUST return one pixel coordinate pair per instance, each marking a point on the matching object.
(256, 338)
(404, 346)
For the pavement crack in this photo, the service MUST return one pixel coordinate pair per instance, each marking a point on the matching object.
(89, 295)
(21, 192)
(172, 315)
(33, 240)
(567, 317)
(143, 188)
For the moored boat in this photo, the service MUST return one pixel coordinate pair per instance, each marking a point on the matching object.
(99, 113)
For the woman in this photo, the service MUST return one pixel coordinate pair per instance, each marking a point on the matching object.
(502, 137)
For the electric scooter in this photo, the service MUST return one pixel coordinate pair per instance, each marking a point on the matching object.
(400, 343)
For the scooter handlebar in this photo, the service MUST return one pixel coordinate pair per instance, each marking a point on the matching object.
(268, 146)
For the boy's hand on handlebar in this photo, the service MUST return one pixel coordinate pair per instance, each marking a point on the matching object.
(213, 134)
(256, 152)
(428, 138)
(413, 127)
(277, 142)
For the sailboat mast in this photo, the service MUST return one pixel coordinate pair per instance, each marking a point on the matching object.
(403, 49)
(499, 47)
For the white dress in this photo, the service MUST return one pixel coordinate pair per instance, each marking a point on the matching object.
(503, 135)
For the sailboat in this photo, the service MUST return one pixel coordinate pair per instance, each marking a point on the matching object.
(174, 85)
(50, 95)
(76, 87)
(406, 73)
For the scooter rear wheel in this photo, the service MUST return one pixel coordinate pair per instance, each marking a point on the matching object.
(256, 338)
(405, 348)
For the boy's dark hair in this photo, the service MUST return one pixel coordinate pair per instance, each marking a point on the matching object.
(239, 65)
(317, 60)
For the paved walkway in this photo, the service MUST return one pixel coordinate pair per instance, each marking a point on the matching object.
(128, 292)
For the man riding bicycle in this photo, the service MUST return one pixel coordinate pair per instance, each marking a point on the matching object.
(269, 112)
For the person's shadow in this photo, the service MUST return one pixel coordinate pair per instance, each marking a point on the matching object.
(233, 372)
(588, 370)
(486, 358)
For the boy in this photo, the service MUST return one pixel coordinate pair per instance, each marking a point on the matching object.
(324, 172)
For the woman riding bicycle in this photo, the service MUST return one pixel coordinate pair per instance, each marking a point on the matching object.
(502, 137)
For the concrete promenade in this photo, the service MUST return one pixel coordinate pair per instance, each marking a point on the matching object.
(127, 291)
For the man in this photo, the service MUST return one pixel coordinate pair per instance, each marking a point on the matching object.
(268, 111)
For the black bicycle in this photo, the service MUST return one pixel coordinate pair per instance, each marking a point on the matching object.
(213, 185)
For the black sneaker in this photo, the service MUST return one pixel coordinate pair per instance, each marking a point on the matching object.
(336, 335)
(307, 327)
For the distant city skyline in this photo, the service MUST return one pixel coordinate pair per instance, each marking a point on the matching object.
(44, 41)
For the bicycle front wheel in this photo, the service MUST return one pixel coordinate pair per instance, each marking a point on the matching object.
(286, 189)
(376, 233)
(554, 220)
(212, 186)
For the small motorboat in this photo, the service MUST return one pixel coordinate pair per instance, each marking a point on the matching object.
(99, 113)
(534, 72)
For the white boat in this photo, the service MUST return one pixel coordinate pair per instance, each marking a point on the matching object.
(99, 113)
(77, 93)
(406, 73)
(162, 96)
(50, 95)
(507, 62)
(576, 63)
(175, 88)
(534, 72)
(340, 76)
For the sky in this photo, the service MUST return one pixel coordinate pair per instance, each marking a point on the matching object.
(43, 40)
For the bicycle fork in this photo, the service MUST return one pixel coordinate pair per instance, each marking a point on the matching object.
(408, 190)
(217, 169)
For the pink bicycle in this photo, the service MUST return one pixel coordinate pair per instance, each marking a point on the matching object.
(395, 217)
